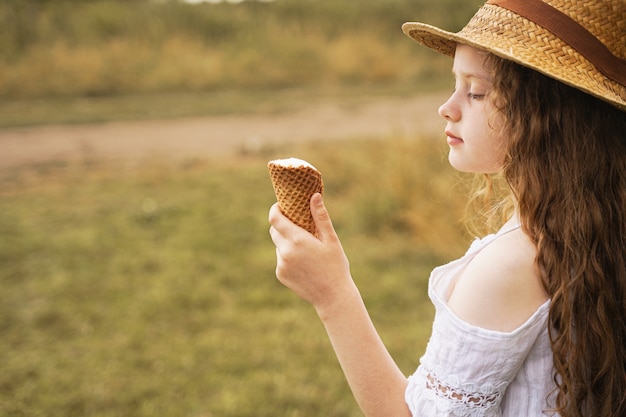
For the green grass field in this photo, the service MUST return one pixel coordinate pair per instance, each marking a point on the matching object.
(60, 48)
(81, 61)
(151, 291)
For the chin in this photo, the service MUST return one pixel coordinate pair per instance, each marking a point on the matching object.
(462, 165)
(459, 164)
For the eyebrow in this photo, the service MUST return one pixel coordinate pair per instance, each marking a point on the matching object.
(470, 75)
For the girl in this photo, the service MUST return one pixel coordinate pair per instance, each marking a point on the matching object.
(531, 320)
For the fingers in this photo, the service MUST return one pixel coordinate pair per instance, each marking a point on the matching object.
(320, 214)
(274, 214)
(310, 266)
(284, 227)
(281, 223)
(283, 231)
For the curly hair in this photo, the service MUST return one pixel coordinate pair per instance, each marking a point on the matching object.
(566, 167)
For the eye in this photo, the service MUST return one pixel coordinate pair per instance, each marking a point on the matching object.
(473, 96)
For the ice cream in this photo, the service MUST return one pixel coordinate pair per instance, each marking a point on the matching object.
(295, 181)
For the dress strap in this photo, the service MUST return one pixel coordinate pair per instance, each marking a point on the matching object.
(480, 243)
(507, 228)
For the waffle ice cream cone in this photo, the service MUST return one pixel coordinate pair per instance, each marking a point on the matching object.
(294, 182)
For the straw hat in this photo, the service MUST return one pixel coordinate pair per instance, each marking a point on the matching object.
(581, 43)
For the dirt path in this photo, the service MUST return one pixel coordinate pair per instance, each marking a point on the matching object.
(217, 136)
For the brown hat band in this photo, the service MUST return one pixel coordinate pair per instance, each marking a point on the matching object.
(571, 32)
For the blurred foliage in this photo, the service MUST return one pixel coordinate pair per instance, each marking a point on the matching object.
(52, 48)
(149, 290)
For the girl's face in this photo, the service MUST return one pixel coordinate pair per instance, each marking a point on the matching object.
(473, 128)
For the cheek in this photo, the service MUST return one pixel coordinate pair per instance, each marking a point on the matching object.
(489, 148)
(495, 151)
(500, 137)
(496, 138)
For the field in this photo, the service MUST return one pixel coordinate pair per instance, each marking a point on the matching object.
(99, 47)
(149, 289)
(71, 61)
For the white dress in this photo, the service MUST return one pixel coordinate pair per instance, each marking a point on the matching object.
(471, 371)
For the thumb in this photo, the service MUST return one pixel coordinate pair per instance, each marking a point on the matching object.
(322, 218)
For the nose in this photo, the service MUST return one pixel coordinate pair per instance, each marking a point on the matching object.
(449, 110)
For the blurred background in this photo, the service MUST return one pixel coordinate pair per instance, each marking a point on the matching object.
(136, 267)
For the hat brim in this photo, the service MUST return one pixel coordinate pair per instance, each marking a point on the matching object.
(440, 40)
(445, 42)
(507, 39)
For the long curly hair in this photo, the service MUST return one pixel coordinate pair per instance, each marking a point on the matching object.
(566, 167)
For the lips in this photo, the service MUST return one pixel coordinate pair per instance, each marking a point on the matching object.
(453, 139)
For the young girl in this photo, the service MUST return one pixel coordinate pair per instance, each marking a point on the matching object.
(531, 321)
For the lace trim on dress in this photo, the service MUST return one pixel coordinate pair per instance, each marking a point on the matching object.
(463, 399)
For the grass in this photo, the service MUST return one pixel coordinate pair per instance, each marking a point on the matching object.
(150, 290)
(66, 61)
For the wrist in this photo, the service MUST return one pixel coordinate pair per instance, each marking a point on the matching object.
(338, 302)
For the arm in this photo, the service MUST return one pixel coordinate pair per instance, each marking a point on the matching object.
(318, 271)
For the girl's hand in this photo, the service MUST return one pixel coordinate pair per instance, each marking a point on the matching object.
(316, 269)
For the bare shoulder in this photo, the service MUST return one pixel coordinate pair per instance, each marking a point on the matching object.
(500, 288)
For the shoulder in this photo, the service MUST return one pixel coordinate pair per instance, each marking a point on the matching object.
(500, 288)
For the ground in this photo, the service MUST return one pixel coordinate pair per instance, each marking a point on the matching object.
(219, 136)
